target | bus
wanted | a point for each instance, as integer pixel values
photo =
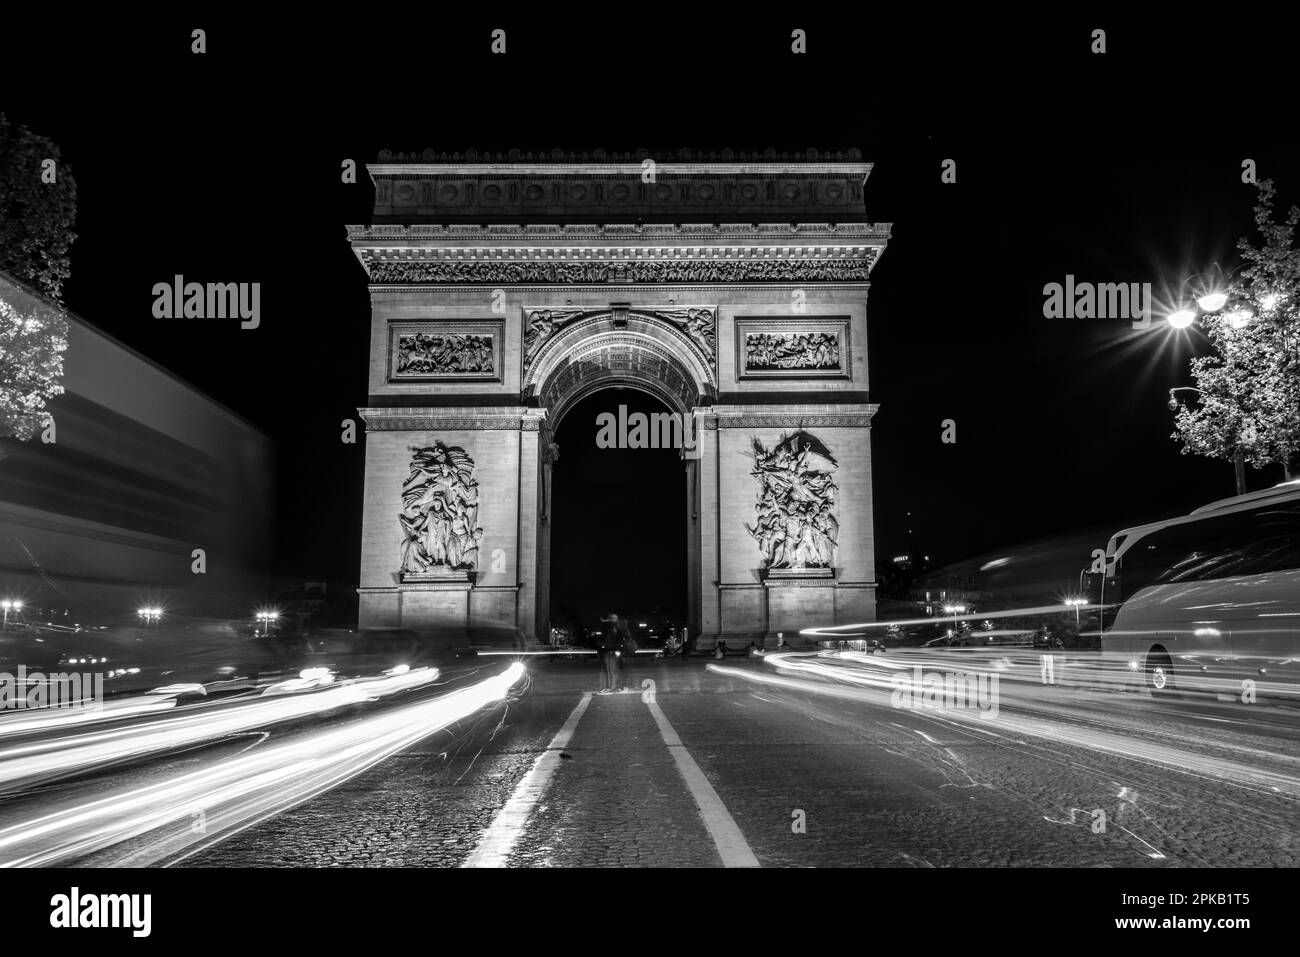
(1209, 601)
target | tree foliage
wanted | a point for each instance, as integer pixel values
(32, 344)
(1250, 383)
(36, 217)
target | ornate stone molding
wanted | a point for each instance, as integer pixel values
(681, 187)
(416, 232)
(698, 323)
(446, 420)
(792, 417)
(562, 273)
(683, 155)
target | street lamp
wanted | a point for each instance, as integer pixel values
(266, 618)
(1213, 301)
(9, 605)
(149, 614)
(1173, 400)
(1076, 602)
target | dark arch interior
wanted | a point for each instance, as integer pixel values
(618, 523)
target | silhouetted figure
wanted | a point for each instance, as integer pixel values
(609, 649)
(626, 654)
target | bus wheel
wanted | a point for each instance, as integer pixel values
(1160, 674)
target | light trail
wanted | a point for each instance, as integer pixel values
(25, 720)
(839, 631)
(236, 793)
(91, 750)
(1177, 755)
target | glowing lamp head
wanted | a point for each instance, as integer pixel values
(1239, 318)
(1182, 318)
(1270, 301)
(1212, 301)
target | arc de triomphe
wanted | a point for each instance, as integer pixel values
(504, 288)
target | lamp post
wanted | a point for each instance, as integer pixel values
(266, 618)
(149, 614)
(10, 605)
(1076, 602)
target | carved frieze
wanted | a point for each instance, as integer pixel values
(445, 351)
(794, 348)
(687, 271)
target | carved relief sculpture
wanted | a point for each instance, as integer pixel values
(423, 353)
(698, 324)
(767, 351)
(542, 324)
(796, 525)
(440, 511)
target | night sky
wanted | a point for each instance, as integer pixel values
(1119, 168)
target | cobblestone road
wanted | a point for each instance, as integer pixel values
(810, 779)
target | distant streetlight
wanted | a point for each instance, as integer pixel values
(149, 614)
(1076, 602)
(9, 605)
(267, 618)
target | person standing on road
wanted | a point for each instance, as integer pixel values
(608, 649)
(627, 652)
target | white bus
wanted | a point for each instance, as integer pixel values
(1208, 601)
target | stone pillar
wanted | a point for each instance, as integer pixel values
(530, 528)
(709, 570)
(549, 452)
(692, 470)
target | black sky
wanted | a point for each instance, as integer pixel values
(1123, 167)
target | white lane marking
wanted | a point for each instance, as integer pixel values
(498, 841)
(731, 844)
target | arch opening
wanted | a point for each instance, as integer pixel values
(619, 529)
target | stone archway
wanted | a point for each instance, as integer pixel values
(733, 289)
(665, 352)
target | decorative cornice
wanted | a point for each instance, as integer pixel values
(532, 158)
(872, 232)
(446, 420)
(792, 417)
(623, 271)
(861, 421)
